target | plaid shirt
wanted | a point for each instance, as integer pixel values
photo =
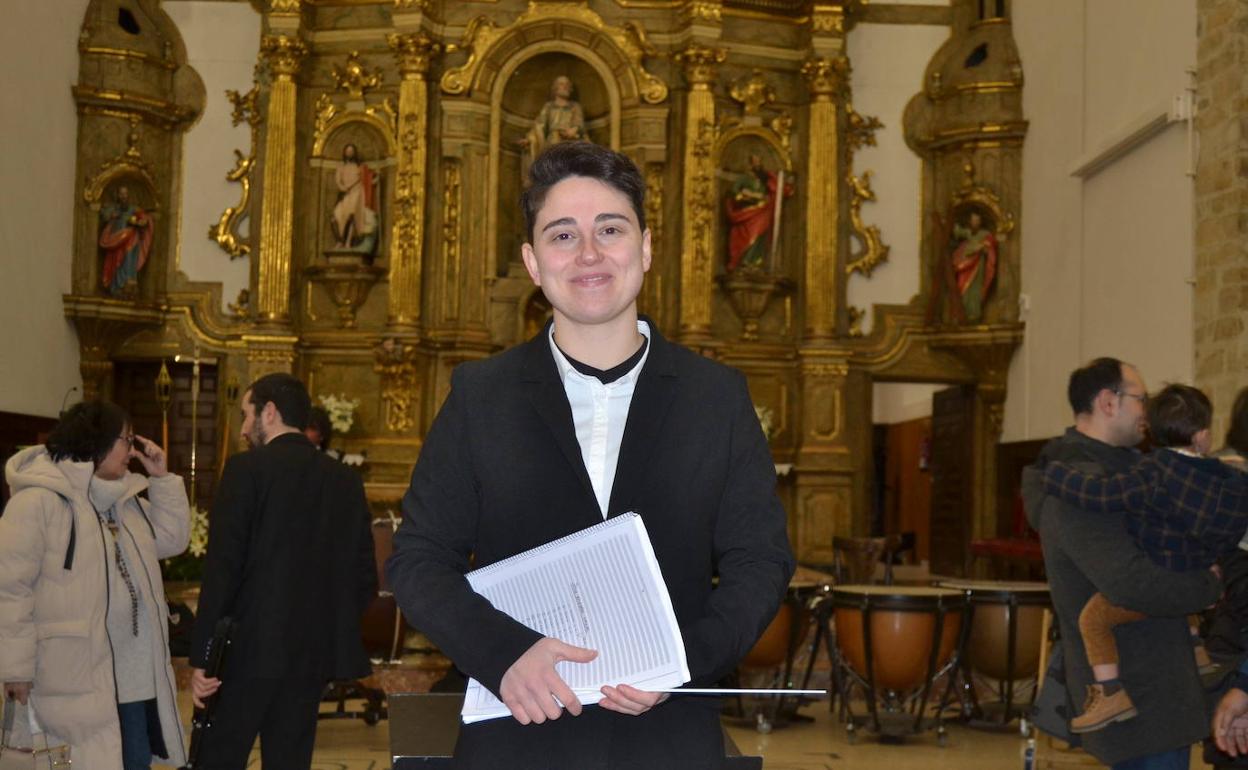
(1189, 510)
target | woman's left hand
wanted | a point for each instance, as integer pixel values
(151, 456)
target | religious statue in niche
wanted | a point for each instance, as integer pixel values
(125, 242)
(753, 206)
(356, 216)
(973, 262)
(561, 119)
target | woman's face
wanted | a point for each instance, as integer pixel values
(114, 464)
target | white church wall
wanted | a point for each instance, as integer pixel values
(222, 40)
(894, 402)
(38, 130)
(1106, 257)
(889, 61)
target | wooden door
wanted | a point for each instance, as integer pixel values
(134, 389)
(952, 473)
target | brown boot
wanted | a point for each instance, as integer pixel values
(1100, 710)
(1203, 663)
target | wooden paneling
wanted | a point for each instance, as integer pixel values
(17, 431)
(134, 389)
(907, 482)
(952, 428)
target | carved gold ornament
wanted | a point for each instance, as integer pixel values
(701, 62)
(482, 35)
(225, 232)
(395, 361)
(873, 251)
(415, 51)
(355, 78)
(753, 93)
(827, 77)
(856, 315)
(129, 163)
(283, 54)
(860, 129)
(702, 11)
(329, 117)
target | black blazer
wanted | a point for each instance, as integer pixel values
(501, 472)
(290, 558)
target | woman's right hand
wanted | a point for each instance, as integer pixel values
(18, 691)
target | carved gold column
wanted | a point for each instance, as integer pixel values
(414, 50)
(822, 286)
(700, 63)
(282, 54)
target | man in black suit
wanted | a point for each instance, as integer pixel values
(290, 559)
(596, 416)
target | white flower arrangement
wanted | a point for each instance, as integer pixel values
(199, 532)
(341, 411)
(766, 418)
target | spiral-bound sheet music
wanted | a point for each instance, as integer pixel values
(598, 588)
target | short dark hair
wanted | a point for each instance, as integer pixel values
(287, 394)
(1177, 414)
(565, 159)
(1237, 434)
(1085, 382)
(319, 418)
(87, 431)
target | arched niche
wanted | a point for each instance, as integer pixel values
(733, 152)
(515, 105)
(611, 58)
(123, 205)
(373, 145)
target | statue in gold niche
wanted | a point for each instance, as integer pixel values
(753, 207)
(355, 211)
(125, 241)
(561, 119)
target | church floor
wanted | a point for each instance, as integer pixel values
(349, 744)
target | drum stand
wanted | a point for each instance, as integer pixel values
(845, 678)
(972, 710)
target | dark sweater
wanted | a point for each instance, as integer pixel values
(1084, 554)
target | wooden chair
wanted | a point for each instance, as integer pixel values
(854, 558)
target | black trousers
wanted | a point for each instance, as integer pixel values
(281, 711)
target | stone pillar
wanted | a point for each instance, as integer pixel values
(282, 54)
(696, 260)
(822, 286)
(415, 50)
(1220, 307)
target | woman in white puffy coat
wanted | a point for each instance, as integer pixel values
(83, 619)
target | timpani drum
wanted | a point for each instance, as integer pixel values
(775, 650)
(892, 640)
(1004, 641)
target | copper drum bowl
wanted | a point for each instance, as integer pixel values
(988, 647)
(772, 648)
(903, 627)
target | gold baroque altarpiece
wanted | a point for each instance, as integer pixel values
(388, 142)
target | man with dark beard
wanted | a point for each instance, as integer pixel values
(290, 559)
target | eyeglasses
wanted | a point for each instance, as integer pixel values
(1141, 397)
(128, 438)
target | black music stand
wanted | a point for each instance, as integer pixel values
(424, 726)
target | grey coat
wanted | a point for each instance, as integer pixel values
(1088, 552)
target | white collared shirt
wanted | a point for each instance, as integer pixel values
(599, 413)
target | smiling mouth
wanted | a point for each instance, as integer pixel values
(590, 281)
